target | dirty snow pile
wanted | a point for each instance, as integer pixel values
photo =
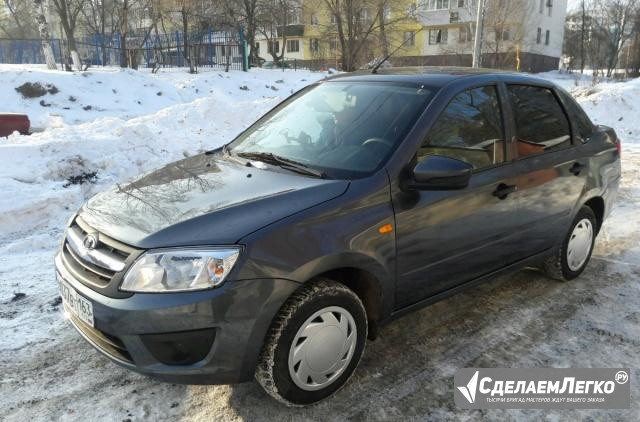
(106, 126)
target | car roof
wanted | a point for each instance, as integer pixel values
(435, 76)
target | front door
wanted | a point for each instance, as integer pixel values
(445, 238)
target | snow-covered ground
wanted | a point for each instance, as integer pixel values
(137, 121)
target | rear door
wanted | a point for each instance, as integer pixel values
(552, 174)
(448, 237)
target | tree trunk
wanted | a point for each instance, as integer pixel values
(185, 38)
(124, 29)
(68, 26)
(103, 44)
(384, 42)
(45, 37)
(582, 37)
(73, 49)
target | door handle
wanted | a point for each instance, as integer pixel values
(576, 168)
(503, 190)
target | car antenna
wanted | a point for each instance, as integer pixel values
(412, 37)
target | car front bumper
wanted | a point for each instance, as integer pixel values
(203, 337)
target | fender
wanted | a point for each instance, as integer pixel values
(385, 281)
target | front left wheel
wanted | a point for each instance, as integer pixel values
(314, 344)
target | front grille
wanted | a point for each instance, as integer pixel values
(100, 266)
(106, 343)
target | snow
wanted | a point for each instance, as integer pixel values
(48, 372)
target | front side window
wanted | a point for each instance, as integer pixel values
(437, 4)
(346, 129)
(438, 36)
(465, 35)
(541, 124)
(469, 129)
(314, 44)
(409, 38)
(502, 34)
(273, 47)
(293, 46)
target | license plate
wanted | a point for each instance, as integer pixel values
(74, 303)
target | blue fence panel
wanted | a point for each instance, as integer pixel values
(207, 48)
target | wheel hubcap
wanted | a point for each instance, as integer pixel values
(322, 348)
(579, 244)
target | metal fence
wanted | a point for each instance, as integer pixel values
(208, 48)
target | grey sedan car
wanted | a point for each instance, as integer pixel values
(355, 200)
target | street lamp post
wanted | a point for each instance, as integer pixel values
(477, 45)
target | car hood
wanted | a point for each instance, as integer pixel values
(203, 200)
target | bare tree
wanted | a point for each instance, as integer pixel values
(384, 12)
(503, 33)
(615, 20)
(68, 12)
(601, 33)
(98, 18)
(583, 35)
(274, 18)
(633, 64)
(18, 22)
(357, 24)
(45, 37)
(244, 13)
(193, 18)
(136, 19)
(353, 28)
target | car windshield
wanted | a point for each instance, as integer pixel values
(344, 129)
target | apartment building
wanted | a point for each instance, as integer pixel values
(311, 33)
(518, 34)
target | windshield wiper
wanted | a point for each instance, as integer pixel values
(271, 158)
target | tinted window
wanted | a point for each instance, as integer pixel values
(346, 129)
(580, 118)
(541, 124)
(469, 129)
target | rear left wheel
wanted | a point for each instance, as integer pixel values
(574, 254)
(314, 344)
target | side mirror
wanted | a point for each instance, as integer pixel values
(441, 173)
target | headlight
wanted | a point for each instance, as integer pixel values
(180, 270)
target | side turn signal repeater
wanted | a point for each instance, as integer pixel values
(387, 228)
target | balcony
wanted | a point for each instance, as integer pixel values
(291, 31)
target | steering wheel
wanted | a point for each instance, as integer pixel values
(372, 141)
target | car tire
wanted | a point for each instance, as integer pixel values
(314, 344)
(574, 254)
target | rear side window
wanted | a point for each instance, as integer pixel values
(541, 124)
(469, 129)
(577, 114)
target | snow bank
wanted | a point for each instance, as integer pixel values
(195, 113)
(124, 93)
